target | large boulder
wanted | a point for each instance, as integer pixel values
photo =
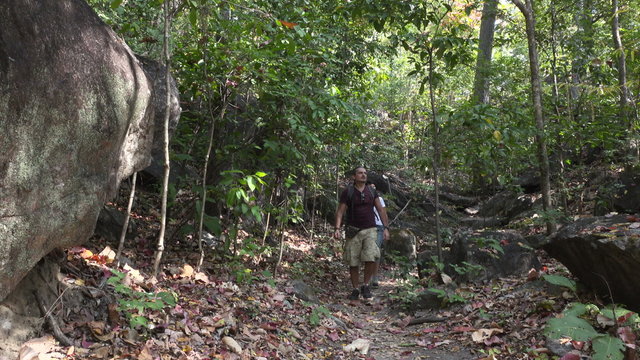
(604, 254)
(402, 242)
(484, 255)
(75, 118)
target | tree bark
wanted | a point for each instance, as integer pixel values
(621, 64)
(125, 226)
(436, 155)
(485, 48)
(536, 95)
(167, 166)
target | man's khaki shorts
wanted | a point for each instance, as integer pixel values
(362, 247)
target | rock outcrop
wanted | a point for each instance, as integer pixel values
(484, 255)
(604, 254)
(76, 117)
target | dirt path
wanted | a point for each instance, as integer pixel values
(390, 336)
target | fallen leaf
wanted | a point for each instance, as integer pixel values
(361, 345)
(187, 271)
(232, 344)
(287, 24)
(481, 335)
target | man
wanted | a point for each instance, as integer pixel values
(361, 232)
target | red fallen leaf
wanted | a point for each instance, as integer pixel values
(287, 24)
(461, 329)
(626, 334)
(633, 218)
(622, 319)
(493, 340)
(570, 356)
(394, 330)
(334, 336)
(504, 242)
(405, 353)
(434, 329)
(271, 326)
(359, 324)
(533, 275)
(578, 345)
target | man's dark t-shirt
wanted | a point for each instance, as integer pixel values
(359, 212)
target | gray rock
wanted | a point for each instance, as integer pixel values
(76, 118)
(304, 292)
(402, 242)
(479, 250)
(604, 254)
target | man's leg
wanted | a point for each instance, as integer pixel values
(354, 273)
(370, 269)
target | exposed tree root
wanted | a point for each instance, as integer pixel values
(53, 323)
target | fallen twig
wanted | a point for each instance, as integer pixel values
(400, 212)
(57, 333)
(425, 319)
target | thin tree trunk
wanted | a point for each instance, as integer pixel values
(536, 95)
(167, 166)
(436, 155)
(125, 226)
(485, 48)
(313, 203)
(283, 221)
(622, 65)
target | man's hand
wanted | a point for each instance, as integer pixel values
(337, 234)
(385, 234)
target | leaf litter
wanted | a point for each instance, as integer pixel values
(219, 315)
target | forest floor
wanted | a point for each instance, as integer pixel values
(236, 308)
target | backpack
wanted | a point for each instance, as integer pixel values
(351, 190)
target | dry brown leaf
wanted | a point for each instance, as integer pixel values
(108, 254)
(232, 344)
(187, 271)
(481, 335)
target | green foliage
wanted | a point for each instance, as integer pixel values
(448, 297)
(136, 304)
(577, 323)
(490, 245)
(560, 281)
(406, 291)
(468, 268)
(317, 313)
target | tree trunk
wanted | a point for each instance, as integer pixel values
(621, 64)
(536, 95)
(485, 48)
(167, 166)
(125, 226)
(436, 155)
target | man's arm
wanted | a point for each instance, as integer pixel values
(339, 213)
(383, 216)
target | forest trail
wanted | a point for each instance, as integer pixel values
(265, 315)
(390, 334)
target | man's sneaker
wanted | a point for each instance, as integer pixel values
(366, 292)
(374, 284)
(355, 294)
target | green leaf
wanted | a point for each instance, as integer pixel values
(570, 326)
(575, 309)
(561, 281)
(261, 174)
(213, 225)
(137, 320)
(251, 183)
(606, 347)
(116, 3)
